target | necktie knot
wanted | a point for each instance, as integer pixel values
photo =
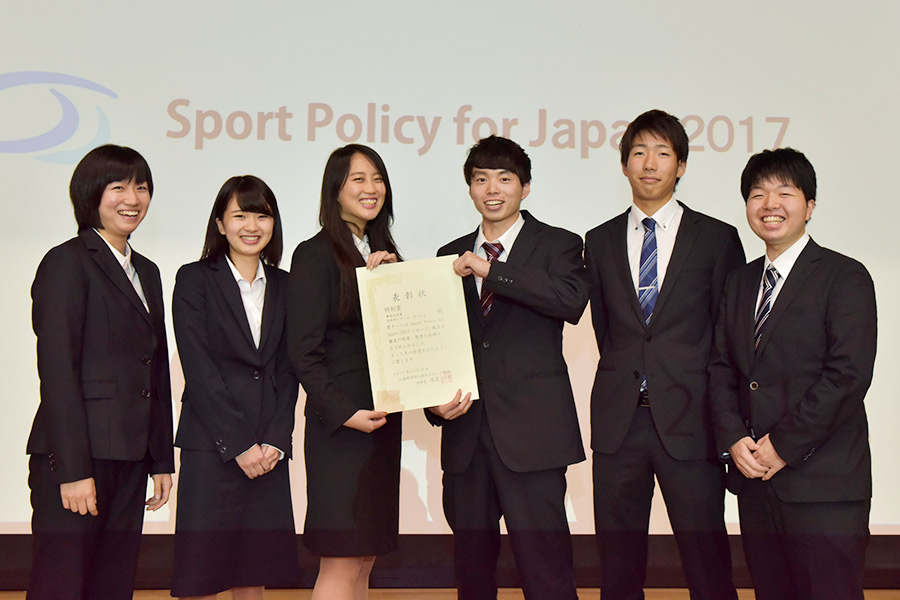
(649, 225)
(493, 251)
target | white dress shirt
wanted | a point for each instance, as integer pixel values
(506, 240)
(667, 218)
(130, 272)
(362, 244)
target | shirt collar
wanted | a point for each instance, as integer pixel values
(124, 259)
(260, 272)
(785, 261)
(663, 216)
(362, 245)
(507, 239)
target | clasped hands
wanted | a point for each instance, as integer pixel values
(258, 460)
(756, 459)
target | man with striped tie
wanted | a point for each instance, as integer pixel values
(656, 273)
(793, 358)
(506, 454)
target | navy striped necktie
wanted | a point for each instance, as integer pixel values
(765, 304)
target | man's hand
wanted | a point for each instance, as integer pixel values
(79, 496)
(457, 407)
(766, 455)
(471, 264)
(366, 421)
(382, 256)
(742, 456)
(253, 462)
(162, 486)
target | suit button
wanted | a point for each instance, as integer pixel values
(223, 450)
(255, 374)
(145, 394)
(218, 442)
(485, 344)
(636, 375)
(145, 360)
(509, 281)
(648, 337)
(754, 386)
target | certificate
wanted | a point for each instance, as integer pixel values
(417, 333)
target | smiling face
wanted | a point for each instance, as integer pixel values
(123, 206)
(247, 233)
(777, 212)
(652, 169)
(497, 194)
(362, 195)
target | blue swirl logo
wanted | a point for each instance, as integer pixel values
(68, 123)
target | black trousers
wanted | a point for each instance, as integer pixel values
(803, 550)
(82, 557)
(533, 506)
(694, 492)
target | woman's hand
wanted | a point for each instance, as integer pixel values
(457, 407)
(382, 256)
(253, 462)
(79, 496)
(366, 421)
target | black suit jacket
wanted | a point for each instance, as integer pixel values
(102, 361)
(526, 395)
(327, 349)
(806, 382)
(235, 394)
(674, 350)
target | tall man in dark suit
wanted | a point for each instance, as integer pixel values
(506, 454)
(656, 273)
(793, 358)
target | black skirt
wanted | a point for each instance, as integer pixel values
(352, 490)
(231, 531)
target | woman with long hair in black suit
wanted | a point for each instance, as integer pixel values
(352, 452)
(235, 526)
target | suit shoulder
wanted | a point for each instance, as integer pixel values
(714, 225)
(604, 229)
(455, 246)
(843, 262)
(318, 245)
(276, 273)
(191, 270)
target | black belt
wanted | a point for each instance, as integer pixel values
(643, 398)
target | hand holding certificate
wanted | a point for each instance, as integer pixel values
(417, 334)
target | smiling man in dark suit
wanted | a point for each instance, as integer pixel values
(506, 454)
(793, 359)
(656, 275)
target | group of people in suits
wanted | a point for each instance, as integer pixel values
(712, 373)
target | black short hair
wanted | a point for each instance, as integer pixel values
(660, 124)
(100, 167)
(252, 195)
(495, 152)
(785, 165)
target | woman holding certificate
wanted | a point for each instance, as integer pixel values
(352, 452)
(235, 524)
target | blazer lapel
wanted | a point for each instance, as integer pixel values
(225, 280)
(804, 267)
(270, 308)
(522, 250)
(619, 249)
(105, 259)
(688, 230)
(747, 292)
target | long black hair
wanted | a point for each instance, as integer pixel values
(252, 195)
(378, 229)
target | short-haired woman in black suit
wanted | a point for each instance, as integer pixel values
(105, 418)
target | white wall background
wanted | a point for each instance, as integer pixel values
(736, 71)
